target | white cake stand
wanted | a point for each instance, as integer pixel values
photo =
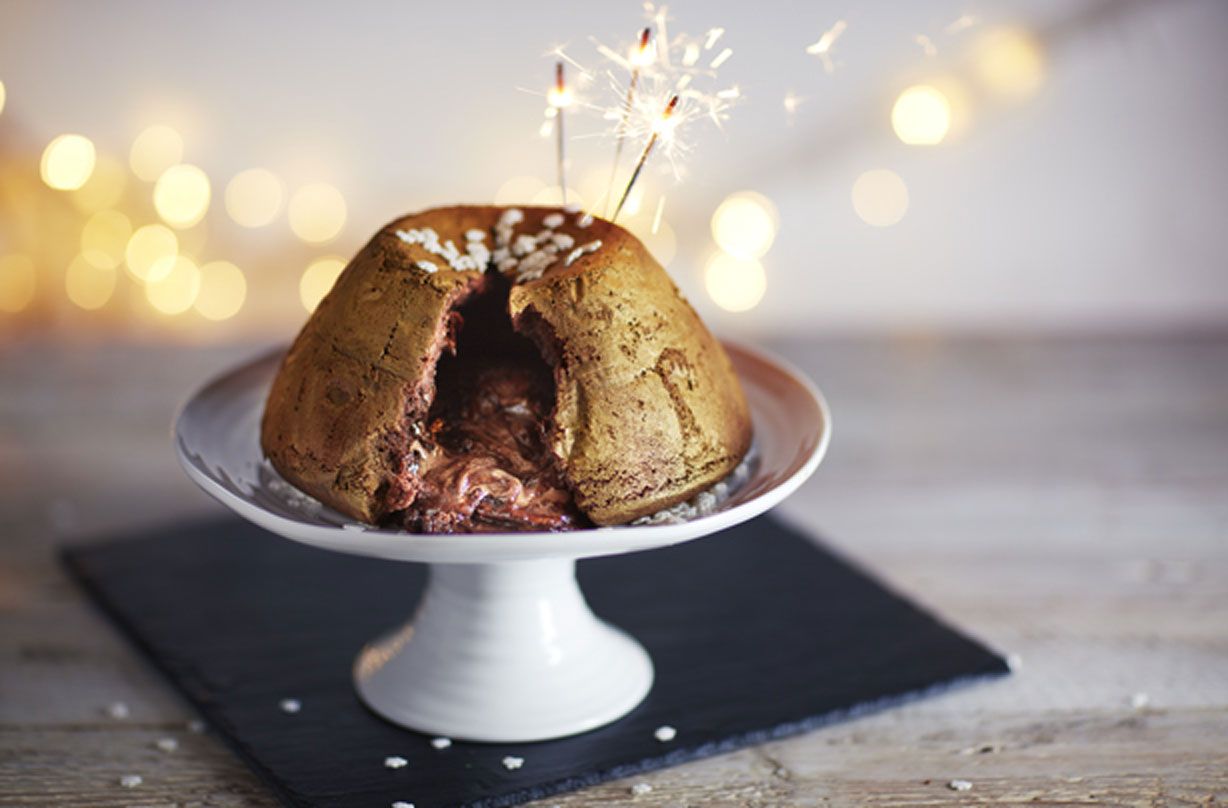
(503, 646)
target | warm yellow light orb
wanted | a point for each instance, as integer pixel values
(155, 150)
(104, 188)
(318, 280)
(2, 96)
(151, 252)
(745, 224)
(18, 280)
(880, 197)
(181, 195)
(222, 290)
(518, 191)
(68, 162)
(104, 239)
(317, 213)
(663, 244)
(254, 197)
(551, 195)
(921, 116)
(176, 291)
(735, 284)
(1009, 61)
(89, 286)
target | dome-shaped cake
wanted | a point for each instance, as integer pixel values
(480, 368)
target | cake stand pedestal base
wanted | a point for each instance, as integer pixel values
(504, 652)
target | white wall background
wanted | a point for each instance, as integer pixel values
(1099, 202)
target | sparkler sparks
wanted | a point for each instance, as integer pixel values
(960, 23)
(927, 44)
(791, 102)
(822, 48)
(641, 57)
(664, 129)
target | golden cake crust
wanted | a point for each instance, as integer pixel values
(648, 408)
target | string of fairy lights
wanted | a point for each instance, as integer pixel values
(159, 250)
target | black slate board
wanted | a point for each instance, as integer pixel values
(756, 633)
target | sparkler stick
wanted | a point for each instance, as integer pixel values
(641, 57)
(652, 141)
(560, 98)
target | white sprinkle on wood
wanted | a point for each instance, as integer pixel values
(118, 710)
(131, 780)
(960, 785)
(166, 744)
(1140, 700)
(640, 789)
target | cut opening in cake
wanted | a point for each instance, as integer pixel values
(480, 458)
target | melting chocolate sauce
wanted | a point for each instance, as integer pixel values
(482, 456)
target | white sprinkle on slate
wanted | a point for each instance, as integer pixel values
(130, 780)
(512, 763)
(1140, 700)
(399, 804)
(640, 789)
(441, 743)
(960, 785)
(291, 706)
(118, 710)
(196, 725)
(665, 733)
(1014, 662)
(167, 744)
(395, 762)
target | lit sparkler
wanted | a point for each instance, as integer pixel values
(664, 128)
(641, 57)
(560, 98)
(822, 48)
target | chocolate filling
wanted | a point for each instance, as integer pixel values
(481, 455)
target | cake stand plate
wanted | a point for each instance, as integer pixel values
(502, 646)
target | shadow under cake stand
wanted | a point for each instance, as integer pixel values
(503, 646)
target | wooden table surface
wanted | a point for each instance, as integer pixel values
(1065, 500)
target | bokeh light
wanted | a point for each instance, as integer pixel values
(222, 290)
(254, 197)
(921, 116)
(104, 188)
(104, 239)
(317, 213)
(156, 149)
(1009, 61)
(663, 244)
(318, 279)
(181, 195)
(89, 286)
(551, 195)
(880, 197)
(18, 281)
(745, 224)
(68, 162)
(176, 290)
(151, 252)
(518, 191)
(734, 284)
(2, 96)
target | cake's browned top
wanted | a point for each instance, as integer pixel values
(648, 409)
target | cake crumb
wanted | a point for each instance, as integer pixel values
(131, 780)
(512, 763)
(960, 785)
(640, 789)
(1140, 700)
(395, 762)
(166, 744)
(441, 743)
(118, 710)
(665, 733)
(290, 706)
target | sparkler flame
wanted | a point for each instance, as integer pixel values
(822, 48)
